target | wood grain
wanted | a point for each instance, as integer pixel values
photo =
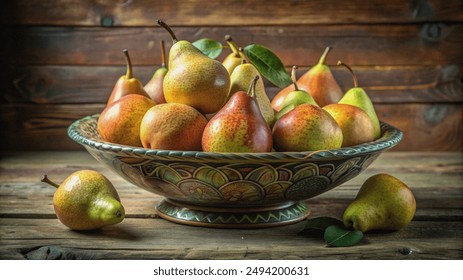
(22, 194)
(407, 56)
(373, 45)
(29, 229)
(195, 12)
(93, 84)
(159, 239)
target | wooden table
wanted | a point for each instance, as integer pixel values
(30, 230)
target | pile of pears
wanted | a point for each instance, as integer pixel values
(196, 103)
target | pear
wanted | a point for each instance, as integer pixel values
(193, 78)
(120, 121)
(306, 128)
(358, 97)
(357, 127)
(239, 126)
(318, 81)
(241, 78)
(172, 126)
(127, 84)
(154, 85)
(382, 203)
(235, 58)
(294, 98)
(86, 200)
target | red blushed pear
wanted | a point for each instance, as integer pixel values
(357, 127)
(318, 81)
(127, 84)
(120, 121)
(154, 86)
(239, 126)
(306, 128)
(172, 126)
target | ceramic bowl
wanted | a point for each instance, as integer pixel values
(232, 189)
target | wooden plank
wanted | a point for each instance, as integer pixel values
(93, 84)
(372, 45)
(433, 177)
(159, 239)
(41, 127)
(29, 230)
(194, 12)
(35, 200)
(426, 127)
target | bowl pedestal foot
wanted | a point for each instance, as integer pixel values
(233, 217)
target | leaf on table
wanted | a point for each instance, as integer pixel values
(337, 236)
(209, 47)
(316, 226)
(268, 64)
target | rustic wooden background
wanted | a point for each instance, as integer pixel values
(60, 59)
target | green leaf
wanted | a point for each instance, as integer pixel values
(318, 225)
(209, 47)
(268, 64)
(339, 237)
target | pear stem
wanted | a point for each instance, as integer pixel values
(232, 45)
(351, 71)
(48, 181)
(252, 87)
(129, 64)
(167, 27)
(163, 54)
(243, 61)
(293, 78)
(325, 53)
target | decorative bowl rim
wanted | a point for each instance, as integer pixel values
(390, 137)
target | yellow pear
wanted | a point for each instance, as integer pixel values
(193, 78)
(241, 78)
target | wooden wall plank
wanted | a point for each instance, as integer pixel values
(428, 127)
(92, 84)
(407, 55)
(296, 45)
(228, 12)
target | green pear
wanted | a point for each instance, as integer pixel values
(382, 203)
(234, 59)
(154, 85)
(241, 78)
(86, 200)
(358, 97)
(193, 78)
(239, 126)
(294, 98)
